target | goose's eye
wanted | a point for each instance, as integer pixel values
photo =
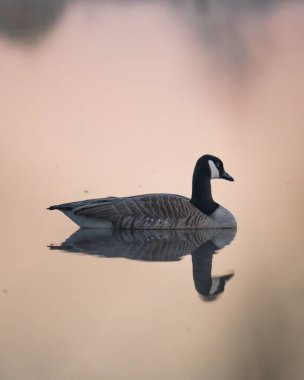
(218, 164)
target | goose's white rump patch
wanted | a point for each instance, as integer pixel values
(214, 171)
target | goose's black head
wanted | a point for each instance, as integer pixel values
(213, 167)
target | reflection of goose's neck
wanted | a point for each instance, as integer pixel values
(201, 192)
(202, 266)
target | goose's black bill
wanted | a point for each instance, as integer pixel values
(227, 177)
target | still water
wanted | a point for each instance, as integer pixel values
(117, 98)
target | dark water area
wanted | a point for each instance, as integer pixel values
(101, 98)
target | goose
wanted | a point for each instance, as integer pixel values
(158, 211)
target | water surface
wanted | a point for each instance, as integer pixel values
(118, 98)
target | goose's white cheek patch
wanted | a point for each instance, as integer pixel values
(214, 286)
(214, 171)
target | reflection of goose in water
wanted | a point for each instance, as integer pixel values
(159, 245)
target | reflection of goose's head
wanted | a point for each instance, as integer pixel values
(217, 287)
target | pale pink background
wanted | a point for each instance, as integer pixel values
(122, 99)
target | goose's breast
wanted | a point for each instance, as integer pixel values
(223, 218)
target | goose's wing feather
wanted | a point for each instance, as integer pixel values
(153, 205)
(145, 211)
(72, 206)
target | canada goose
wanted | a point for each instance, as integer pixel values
(158, 211)
(161, 245)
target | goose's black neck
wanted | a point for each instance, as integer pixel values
(201, 192)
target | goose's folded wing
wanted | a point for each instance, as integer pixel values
(162, 206)
(72, 206)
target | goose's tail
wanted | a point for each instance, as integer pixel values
(60, 207)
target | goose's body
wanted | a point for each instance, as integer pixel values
(151, 211)
(157, 211)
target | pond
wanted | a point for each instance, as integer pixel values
(116, 98)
